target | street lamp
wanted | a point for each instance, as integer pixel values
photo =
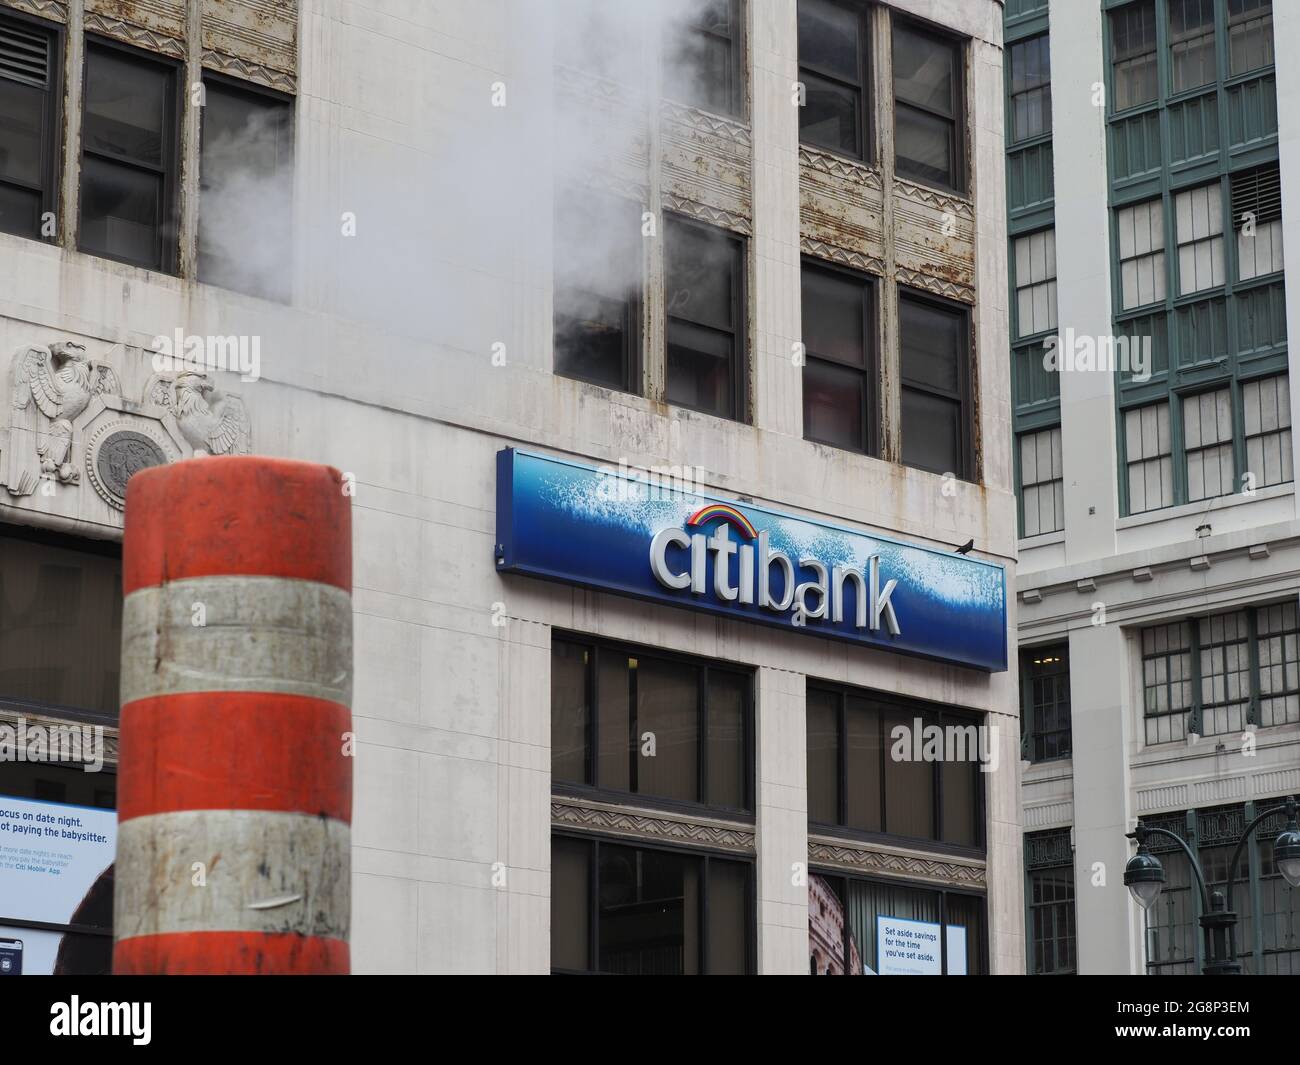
(1144, 876)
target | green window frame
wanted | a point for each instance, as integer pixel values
(1221, 673)
(1050, 928)
(1045, 724)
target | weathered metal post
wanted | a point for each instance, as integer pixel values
(235, 775)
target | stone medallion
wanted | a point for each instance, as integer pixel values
(115, 453)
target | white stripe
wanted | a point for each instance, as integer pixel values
(265, 634)
(232, 871)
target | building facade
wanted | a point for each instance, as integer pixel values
(1150, 250)
(749, 255)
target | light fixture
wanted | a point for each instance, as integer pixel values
(1144, 877)
(1286, 848)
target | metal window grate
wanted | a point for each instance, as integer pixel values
(24, 54)
(1256, 194)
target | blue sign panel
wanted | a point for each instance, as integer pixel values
(619, 532)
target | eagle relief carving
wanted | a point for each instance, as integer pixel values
(52, 387)
(212, 422)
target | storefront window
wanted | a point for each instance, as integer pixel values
(871, 928)
(664, 727)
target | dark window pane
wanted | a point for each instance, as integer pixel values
(649, 912)
(570, 903)
(833, 316)
(925, 70)
(932, 431)
(931, 340)
(60, 620)
(830, 116)
(701, 58)
(667, 701)
(862, 765)
(909, 784)
(924, 146)
(829, 39)
(833, 405)
(569, 712)
(127, 109)
(613, 719)
(1133, 48)
(245, 203)
(728, 928)
(120, 211)
(22, 131)
(823, 757)
(960, 813)
(727, 697)
(700, 266)
(699, 369)
(1191, 45)
(591, 337)
(20, 211)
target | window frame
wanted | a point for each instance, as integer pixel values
(171, 151)
(966, 382)
(1029, 732)
(737, 83)
(871, 370)
(591, 787)
(703, 854)
(740, 245)
(1043, 40)
(959, 138)
(864, 88)
(1047, 864)
(52, 139)
(934, 713)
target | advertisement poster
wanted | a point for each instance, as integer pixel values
(53, 857)
(908, 948)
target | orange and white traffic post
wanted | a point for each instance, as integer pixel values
(235, 769)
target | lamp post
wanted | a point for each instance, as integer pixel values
(1144, 876)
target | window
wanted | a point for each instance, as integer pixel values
(1250, 35)
(30, 90)
(129, 157)
(1042, 483)
(705, 301)
(1049, 899)
(1031, 88)
(840, 376)
(937, 415)
(1257, 220)
(1266, 421)
(869, 769)
(1141, 254)
(928, 107)
(1035, 283)
(705, 65)
(246, 173)
(1199, 214)
(598, 290)
(638, 911)
(1045, 702)
(1133, 54)
(663, 727)
(1149, 451)
(1207, 444)
(849, 921)
(833, 71)
(1221, 673)
(1191, 43)
(61, 619)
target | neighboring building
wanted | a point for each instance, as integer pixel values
(1153, 180)
(794, 318)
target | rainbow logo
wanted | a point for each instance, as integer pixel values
(728, 514)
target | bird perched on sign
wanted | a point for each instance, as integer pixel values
(967, 547)
(58, 382)
(212, 422)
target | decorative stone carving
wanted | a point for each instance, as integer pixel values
(861, 857)
(52, 388)
(633, 824)
(68, 415)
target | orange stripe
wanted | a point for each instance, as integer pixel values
(230, 954)
(234, 751)
(246, 515)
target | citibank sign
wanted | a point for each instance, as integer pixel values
(601, 529)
